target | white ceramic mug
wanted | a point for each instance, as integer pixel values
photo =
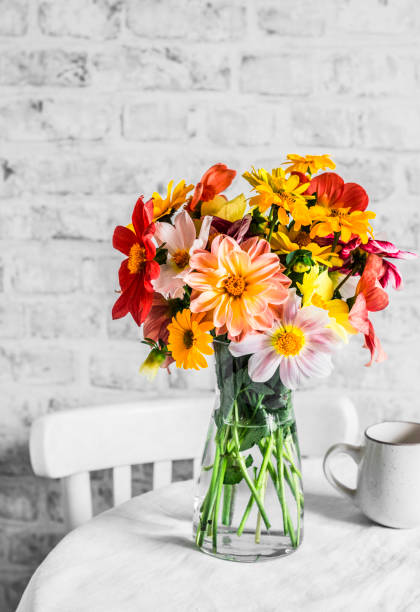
(388, 480)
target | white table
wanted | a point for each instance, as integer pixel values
(139, 557)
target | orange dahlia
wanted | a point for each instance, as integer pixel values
(239, 285)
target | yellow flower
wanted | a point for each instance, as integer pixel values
(343, 221)
(189, 340)
(285, 193)
(172, 202)
(256, 177)
(286, 241)
(309, 164)
(220, 207)
(314, 282)
(317, 290)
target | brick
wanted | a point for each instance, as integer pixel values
(412, 171)
(14, 17)
(122, 329)
(18, 499)
(79, 217)
(158, 122)
(44, 365)
(69, 173)
(248, 126)
(396, 127)
(54, 67)
(47, 119)
(31, 547)
(400, 322)
(118, 368)
(182, 470)
(98, 19)
(376, 176)
(214, 21)
(283, 74)
(5, 366)
(14, 585)
(72, 318)
(12, 323)
(142, 478)
(386, 73)
(100, 275)
(392, 17)
(48, 270)
(14, 453)
(323, 125)
(278, 19)
(102, 489)
(162, 68)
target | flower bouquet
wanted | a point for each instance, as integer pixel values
(271, 284)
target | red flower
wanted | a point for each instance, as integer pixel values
(214, 181)
(333, 192)
(137, 272)
(370, 297)
(383, 248)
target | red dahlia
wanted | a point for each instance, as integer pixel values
(139, 269)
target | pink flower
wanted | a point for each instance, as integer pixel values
(382, 248)
(181, 241)
(299, 345)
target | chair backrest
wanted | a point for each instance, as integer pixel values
(72, 443)
(323, 419)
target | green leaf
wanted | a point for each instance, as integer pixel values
(233, 474)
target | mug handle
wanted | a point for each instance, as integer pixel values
(355, 453)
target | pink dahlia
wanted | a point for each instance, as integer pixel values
(181, 241)
(299, 345)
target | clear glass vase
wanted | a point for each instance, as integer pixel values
(249, 498)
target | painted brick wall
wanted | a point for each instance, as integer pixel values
(101, 100)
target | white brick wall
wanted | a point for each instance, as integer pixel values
(104, 99)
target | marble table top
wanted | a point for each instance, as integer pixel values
(139, 557)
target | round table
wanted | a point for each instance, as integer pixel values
(139, 557)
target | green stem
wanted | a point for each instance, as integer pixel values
(209, 500)
(227, 504)
(258, 526)
(272, 222)
(258, 484)
(345, 279)
(217, 501)
(335, 241)
(244, 471)
(295, 478)
(280, 477)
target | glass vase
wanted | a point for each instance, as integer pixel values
(249, 498)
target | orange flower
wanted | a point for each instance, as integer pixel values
(238, 285)
(214, 181)
(340, 208)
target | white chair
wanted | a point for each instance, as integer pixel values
(72, 443)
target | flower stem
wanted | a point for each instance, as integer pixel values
(244, 471)
(217, 502)
(209, 501)
(227, 504)
(258, 484)
(258, 526)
